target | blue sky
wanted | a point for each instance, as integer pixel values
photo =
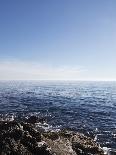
(58, 39)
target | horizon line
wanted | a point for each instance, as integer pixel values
(58, 80)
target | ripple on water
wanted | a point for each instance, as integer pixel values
(81, 106)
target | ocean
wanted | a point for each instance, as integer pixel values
(86, 107)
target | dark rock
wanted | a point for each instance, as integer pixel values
(66, 134)
(42, 149)
(32, 131)
(51, 135)
(34, 147)
(24, 139)
(16, 134)
(20, 138)
(42, 119)
(32, 119)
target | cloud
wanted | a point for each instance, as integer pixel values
(19, 70)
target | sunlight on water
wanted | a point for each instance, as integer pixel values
(88, 107)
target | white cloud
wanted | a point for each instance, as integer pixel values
(18, 70)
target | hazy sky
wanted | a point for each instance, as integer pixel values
(58, 39)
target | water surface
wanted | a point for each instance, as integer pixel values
(88, 107)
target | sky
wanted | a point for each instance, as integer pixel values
(57, 40)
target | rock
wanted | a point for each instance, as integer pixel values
(43, 149)
(66, 134)
(32, 131)
(32, 119)
(51, 135)
(60, 146)
(34, 146)
(84, 145)
(42, 120)
(18, 138)
(5, 125)
(16, 134)
(29, 142)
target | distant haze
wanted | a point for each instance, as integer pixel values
(58, 40)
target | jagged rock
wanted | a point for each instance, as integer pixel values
(84, 145)
(19, 138)
(60, 146)
(66, 134)
(32, 131)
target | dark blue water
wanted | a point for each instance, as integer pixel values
(88, 107)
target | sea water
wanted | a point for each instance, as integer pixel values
(87, 107)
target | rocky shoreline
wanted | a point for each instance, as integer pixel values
(29, 137)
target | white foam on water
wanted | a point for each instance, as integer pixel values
(109, 151)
